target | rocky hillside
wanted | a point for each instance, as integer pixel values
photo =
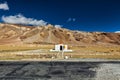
(12, 33)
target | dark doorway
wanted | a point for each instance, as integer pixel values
(61, 48)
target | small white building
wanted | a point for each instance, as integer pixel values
(60, 47)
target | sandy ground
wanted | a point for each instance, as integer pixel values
(59, 70)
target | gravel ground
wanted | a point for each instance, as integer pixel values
(109, 71)
(59, 70)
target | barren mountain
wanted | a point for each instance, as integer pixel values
(16, 34)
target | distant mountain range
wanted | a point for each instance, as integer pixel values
(21, 34)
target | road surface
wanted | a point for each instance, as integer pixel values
(59, 70)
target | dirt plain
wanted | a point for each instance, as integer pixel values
(20, 52)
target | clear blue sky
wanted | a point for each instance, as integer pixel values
(83, 15)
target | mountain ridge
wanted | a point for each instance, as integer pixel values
(21, 34)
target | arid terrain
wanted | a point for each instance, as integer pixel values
(38, 52)
(20, 42)
(25, 54)
(12, 33)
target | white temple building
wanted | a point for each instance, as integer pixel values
(61, 47)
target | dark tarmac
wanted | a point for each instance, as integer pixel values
(59, 70)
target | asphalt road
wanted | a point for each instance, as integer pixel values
(59, 70)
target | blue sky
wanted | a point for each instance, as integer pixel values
(83, 15)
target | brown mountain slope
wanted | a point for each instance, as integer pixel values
(11, 33)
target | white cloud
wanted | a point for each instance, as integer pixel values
(58, 26)
(20, 19)
(117, 31)
(4, 6)
(71, 20)
(74, 19)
